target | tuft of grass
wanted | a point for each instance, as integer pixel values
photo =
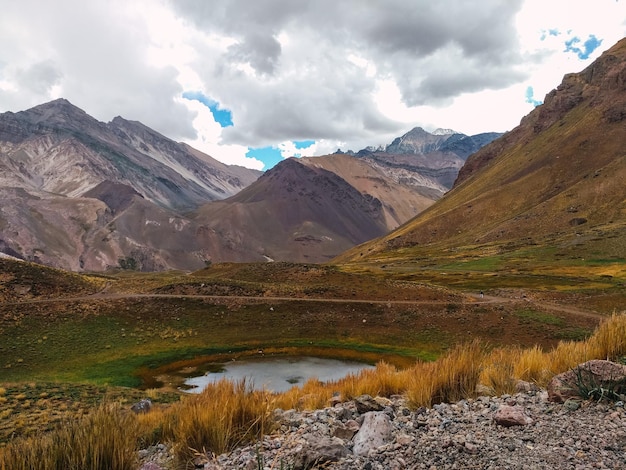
(609, 340)
(451, 378)
(103, 440)
(531, 365)
(225, 415)
(384, 380)
(498, 372)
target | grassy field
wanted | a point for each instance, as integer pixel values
(67, 349)
(115, 329)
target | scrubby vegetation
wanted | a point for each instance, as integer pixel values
(227, 414)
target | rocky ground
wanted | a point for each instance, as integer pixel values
(521, 431)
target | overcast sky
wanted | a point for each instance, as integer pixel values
(251, 81)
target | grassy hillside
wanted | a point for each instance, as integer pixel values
(547, 196)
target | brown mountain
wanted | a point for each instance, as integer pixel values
(294, 212)
(81, 194)
(86, 195)
(402, 192)
(313, 208)
(553, 185)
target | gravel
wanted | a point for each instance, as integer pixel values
(463, 435)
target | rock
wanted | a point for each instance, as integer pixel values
(448, 435)
(150, 466)
(142, 406)
(511, 416)
(382, 401)
(588, 380)
(365, 404)
(346, 430)
(318, 451)
(571, 404)
(375, 432)
(404, 439)
(523, 386)
(484, 390)
(335, 399)
(470, 448)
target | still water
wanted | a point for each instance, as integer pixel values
(278, 374)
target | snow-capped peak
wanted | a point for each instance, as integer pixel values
(441, 131)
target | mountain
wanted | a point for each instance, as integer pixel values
(294, 212)
(313, 208)
(553, 186)
(437, 156)
(58, 148)
(402, 191)
(87, 195)
(84, 195)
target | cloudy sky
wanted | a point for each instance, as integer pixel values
(252, 81)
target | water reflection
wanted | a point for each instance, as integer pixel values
(278, 374)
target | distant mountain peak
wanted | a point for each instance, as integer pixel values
(440, 131)
(60, 104)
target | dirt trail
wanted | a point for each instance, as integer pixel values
(470, 299)
(543, 305)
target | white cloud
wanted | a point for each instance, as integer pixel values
(346, 74)
(208, 139)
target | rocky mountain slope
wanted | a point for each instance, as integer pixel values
(313, 208)
(85, 195)
(58, 148)
(438, 156)
(555, 182)
(295, 212)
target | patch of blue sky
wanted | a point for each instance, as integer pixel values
(588, 47)
(270, 156)
(530, 97)
(549, 32)
(273, 154)
(222, 116)
(302, 144)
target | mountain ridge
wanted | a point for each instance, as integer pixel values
(555, 180)
(87, 195)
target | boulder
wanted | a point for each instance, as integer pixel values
(592, 379)
(376, 431)
(346, 430)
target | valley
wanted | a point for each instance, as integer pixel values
(517, 273)
(131, 323)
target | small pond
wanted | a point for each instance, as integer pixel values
(278, 374)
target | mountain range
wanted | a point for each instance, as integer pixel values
(81, 194)
(552, 189)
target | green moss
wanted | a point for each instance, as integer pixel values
(529, 315)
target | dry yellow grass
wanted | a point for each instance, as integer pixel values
(227, 414)
(104, 440)
(223, 416)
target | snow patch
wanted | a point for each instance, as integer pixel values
(441, 131)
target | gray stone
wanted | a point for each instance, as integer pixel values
(365, 404)
(318, 451)
(376, 431)
(142, 406)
